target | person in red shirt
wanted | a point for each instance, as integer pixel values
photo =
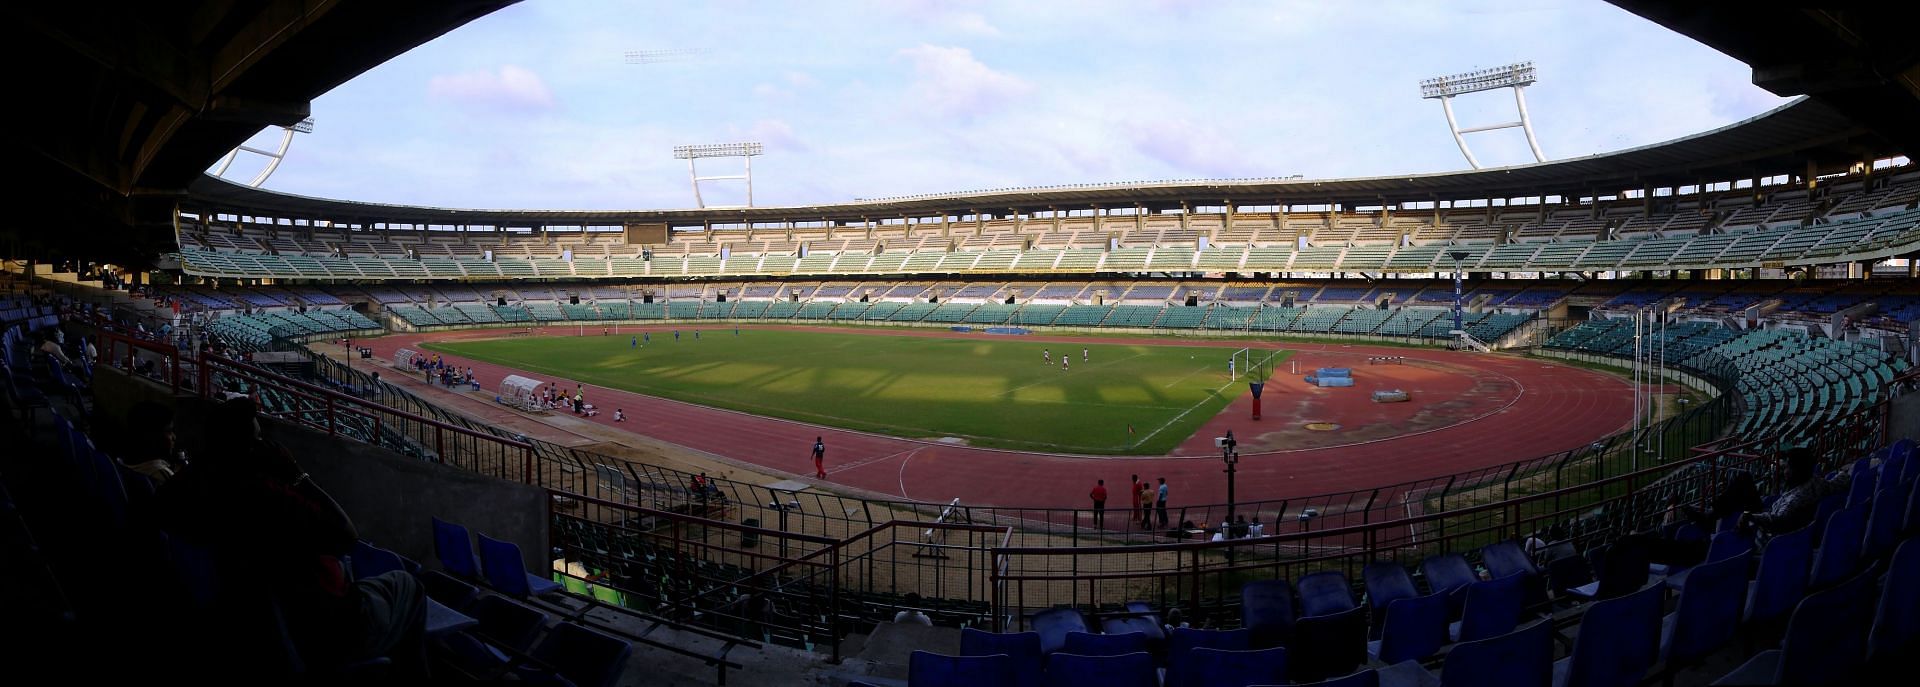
(1099, 496)
(1135, 491)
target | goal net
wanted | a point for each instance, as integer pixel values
(1251, 363)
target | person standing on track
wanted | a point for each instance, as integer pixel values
(819, 458)
(1134, 491)
(1160, 503)
(1146, 506)
(1099, 496)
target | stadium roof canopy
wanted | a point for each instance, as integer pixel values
(1862, 59)
(1796, 138)
(120, 106)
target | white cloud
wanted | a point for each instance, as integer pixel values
(952, 82)
(512, 88)
(1193, 148)
(777, 135)
(971, 23)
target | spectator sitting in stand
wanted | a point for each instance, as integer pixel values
(1799, 502)
(911, 614)
(149, 448)
(247, 499)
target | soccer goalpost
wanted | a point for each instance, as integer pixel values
(1252, 363)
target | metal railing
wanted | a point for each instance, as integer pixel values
(769, 585)
(135, 355)
(602, 476)
(803, 568)
(1205, 577)
(341, 414)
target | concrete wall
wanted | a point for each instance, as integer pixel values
(390, 497)
(1905, 423)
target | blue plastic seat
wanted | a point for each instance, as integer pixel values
(1186, 639)
(370, 560)
(1324, 593)
(1708, 613)
(500, 622)
(508, 622)
(1839, 553)
(1883, 524)
(1619, 642)
(1782, 581)
(1725, 544)
(1328, 645)
(1414, 629)
(928, 669)
(1366, 677)
(1506, 558)
(1910, 525)
(1860, 486)
(507, 572)
(1896, 622)
(1449, 574)
(1139, 618)
(584, 656)
(1830, 504)
(449, 590)
(1623, 567)
(1386, 582)
(453, 546)
(1072, 670)
(1053, 625)
(1266, 608)
(1521, 658)
(1089, 644)
(1493, 608)
(1023, 648)
(1825, 643)
(1226, 668)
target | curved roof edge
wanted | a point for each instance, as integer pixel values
(1794, 138)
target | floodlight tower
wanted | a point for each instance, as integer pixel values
(304, 126)
(1517, 76)
(1458, 305)
(745, 151)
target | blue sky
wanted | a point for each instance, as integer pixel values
(536, 107)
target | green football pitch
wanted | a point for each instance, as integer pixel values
(991, 392)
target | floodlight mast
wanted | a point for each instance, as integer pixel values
(744, 151)
(304, 126)
(1517, 76)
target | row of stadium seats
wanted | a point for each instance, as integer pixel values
(1892, 302)
(256, 331)
(1838, 241)
(1409, 321)
(1788, 380)
(997, 239)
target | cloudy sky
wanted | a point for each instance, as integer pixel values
(536, 106)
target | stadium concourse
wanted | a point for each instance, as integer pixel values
(1466, 400)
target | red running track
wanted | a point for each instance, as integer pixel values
(1524, 408)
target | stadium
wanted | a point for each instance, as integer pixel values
(1641, 415)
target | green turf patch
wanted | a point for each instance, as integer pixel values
(990, 391)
